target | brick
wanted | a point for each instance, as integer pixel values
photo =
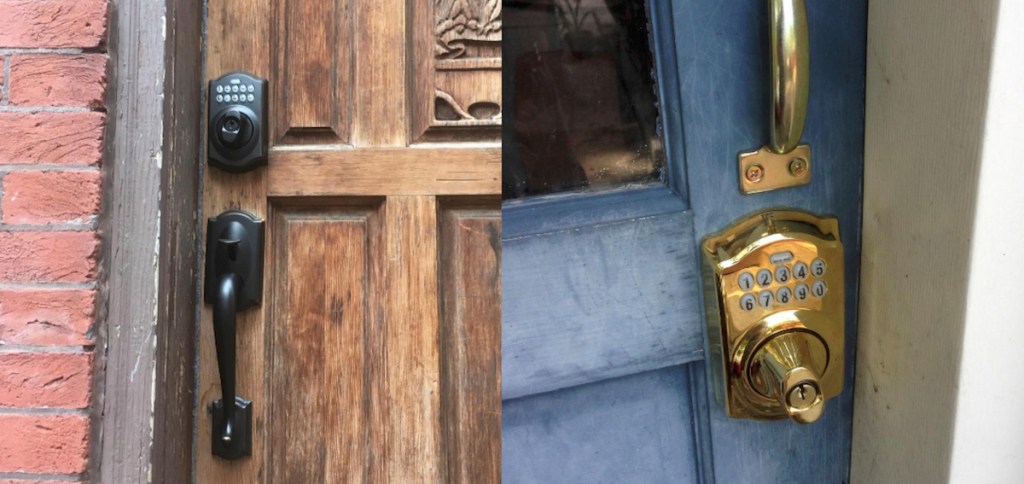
(41, 197)
(48, 256)
(54, 380)
(58, 80)
(46, 317)
(46, 444)
(53, 23)
(51, 138)
(37, 482)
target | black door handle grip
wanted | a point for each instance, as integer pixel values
(234, 282)
(225, 310)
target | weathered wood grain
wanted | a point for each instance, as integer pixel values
(125, 362)
(173, 422)
(238, 38)
(320, 310)
(407, 429)
(389, 171)
(380, 109)
(314, 65)
(470, 265)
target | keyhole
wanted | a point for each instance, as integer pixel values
(803, 396)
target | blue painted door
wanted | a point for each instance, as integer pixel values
(603, 361)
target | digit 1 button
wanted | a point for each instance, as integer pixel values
(764, 277)
(819, 288)
(784, 295)
(818, 267)
(801, 292)
(782, 274)
(800, 270)
(746, 281)
(765, 298)
(747, 302)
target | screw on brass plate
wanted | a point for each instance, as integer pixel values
(798, 167)
(802, 396)
(755, 173)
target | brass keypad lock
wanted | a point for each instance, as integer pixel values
(775, 300)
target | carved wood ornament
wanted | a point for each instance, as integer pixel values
(467, 60)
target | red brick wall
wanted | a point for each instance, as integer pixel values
(52, 117)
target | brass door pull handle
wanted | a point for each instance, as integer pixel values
(791, 73)
(784, 162)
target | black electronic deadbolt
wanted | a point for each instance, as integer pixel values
(238, 122)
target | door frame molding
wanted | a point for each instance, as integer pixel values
(142, 430)
(936, 334)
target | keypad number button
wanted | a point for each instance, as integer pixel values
(802, 292)
(747, 302)
(800, 270)
(764, 277)
(784, 295)
(746, 281)
(819, 289)
(818, 267)
(765, 299)
(782, 274)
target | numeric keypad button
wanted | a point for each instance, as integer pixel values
(782, 274)
(746, 281)
(764, 277)
(802, 292)
(747, 302)
(819, 289)
(784, 295)
(765, 299)
(800, 271)
(818, 267)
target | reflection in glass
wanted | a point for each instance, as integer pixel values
(580, 96)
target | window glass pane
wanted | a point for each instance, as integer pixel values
(580, 96)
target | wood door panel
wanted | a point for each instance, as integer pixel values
(314, 70)
(457, 70)
(343, 360)
(393, 171)
(321, 298)
(470, 332)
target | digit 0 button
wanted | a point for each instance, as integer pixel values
(819, 289)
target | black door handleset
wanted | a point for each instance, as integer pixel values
(236, 142)
(234, 282)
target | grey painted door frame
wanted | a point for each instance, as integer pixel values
(144, 377)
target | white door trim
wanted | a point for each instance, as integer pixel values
(938, 392)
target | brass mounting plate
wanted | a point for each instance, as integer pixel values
(776, 171)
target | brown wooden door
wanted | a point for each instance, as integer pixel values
(375, 353)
